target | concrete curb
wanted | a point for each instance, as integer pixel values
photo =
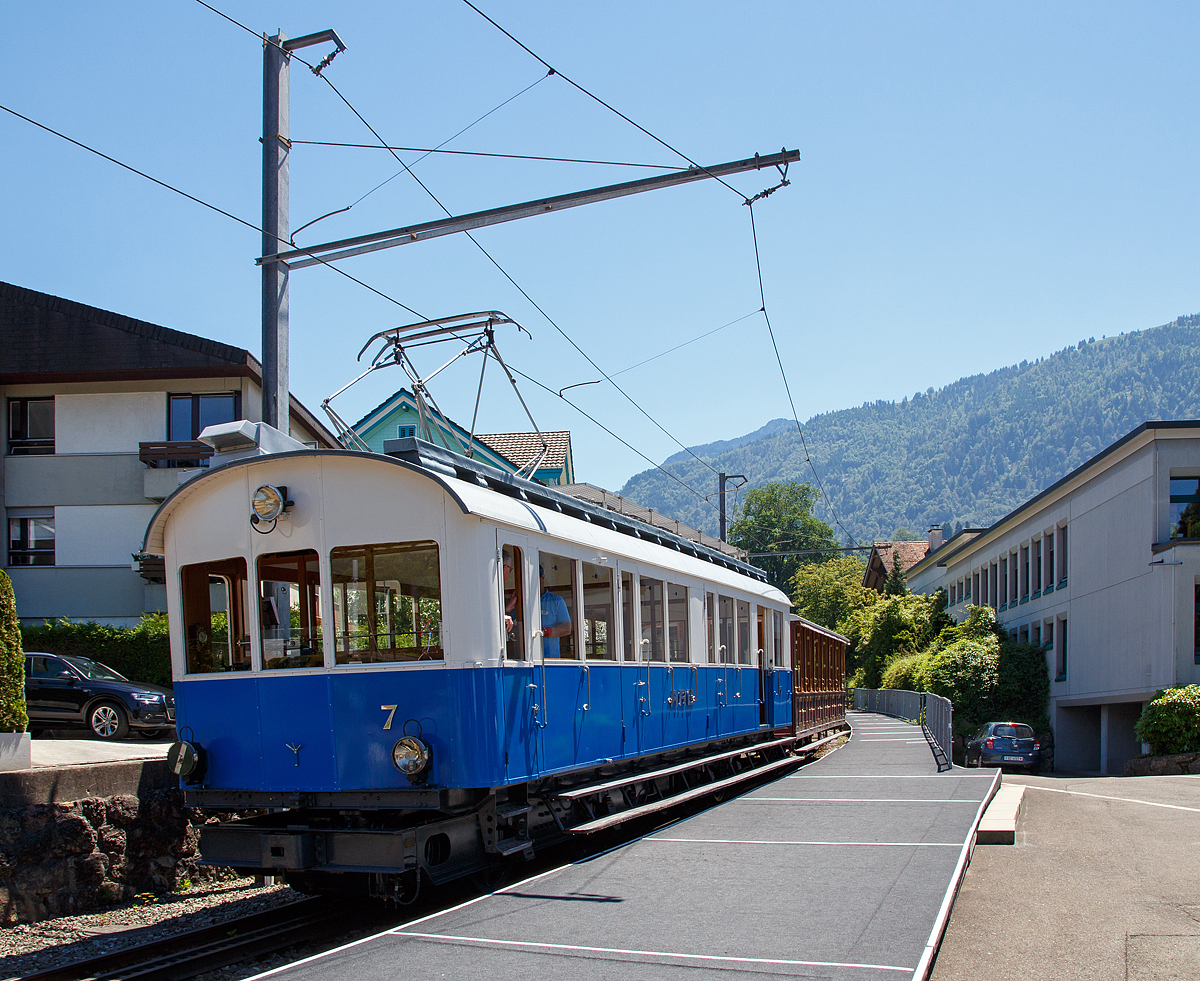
(999, 823)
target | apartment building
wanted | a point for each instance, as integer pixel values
(1102, 570)
(100, 414)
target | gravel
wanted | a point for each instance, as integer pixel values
(30, 947)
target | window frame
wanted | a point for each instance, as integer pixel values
(309, 606)
(376, 656)
(237, 617)
(26, 516)
(25, 445)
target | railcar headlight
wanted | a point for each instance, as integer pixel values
(411, 755)
(268, 502)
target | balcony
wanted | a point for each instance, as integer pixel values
(166, 464)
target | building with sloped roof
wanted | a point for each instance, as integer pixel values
(100, 414)
(397, 416)
(883, 554)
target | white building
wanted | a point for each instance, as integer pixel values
(1103, 570)
(100, 414)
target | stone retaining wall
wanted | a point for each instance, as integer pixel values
(60, 858)
(1161, 766)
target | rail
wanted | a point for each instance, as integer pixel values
(933, 713)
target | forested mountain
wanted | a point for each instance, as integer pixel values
(969, 452)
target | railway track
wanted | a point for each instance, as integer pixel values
(196, 952)
(331, 920)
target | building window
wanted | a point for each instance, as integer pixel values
(1036, 639)
(1185, 507)
(1004, 580)
(1196, 627)
(30, 537)
(1048, 635)
(30, 426)
(1025, 572)
(1023, 634)
(994, 583)
(1037, 566)
(406, 432)
(1050, 560)
(1060, 660)
(1062, 555)
(189, 415)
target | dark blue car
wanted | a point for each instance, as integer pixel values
(1004, 745)
(71, 692)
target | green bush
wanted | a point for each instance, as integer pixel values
(910, 672)
(1171, 723)
(12, 662)
(889, 628)
(1023, 689)
(141, 653)
(967, 672)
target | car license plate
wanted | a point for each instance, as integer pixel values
(1014, 759)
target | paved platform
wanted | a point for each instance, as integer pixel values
(76, 750)
(1099, 886)
(845, 870)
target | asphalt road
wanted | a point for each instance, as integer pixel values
(1102, 883)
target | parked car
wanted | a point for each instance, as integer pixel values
(70, 692)
(1005, 744)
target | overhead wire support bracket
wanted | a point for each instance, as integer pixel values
(300, 258)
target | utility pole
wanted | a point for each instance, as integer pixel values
(721, 479)
(275, 220)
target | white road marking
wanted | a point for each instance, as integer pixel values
(857, 844)
(1128, 800)
(646, 953)
(863, 800)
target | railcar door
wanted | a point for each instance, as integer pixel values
(522, 671)
(598, 696)
(635, 686)
(765, 694)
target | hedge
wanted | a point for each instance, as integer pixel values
(141, 653)
(12, 662)
(1171, 723)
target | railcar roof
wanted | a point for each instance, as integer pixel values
(479, 489)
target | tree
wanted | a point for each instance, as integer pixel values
(895, 583)
(828, 592)
(777, 517)
(12, 662)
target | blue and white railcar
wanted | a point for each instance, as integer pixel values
(359, 651)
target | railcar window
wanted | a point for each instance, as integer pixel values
(710, 616)
(743, 630)
(512, 566)
(652, 620)
(557, 600)
(289, 601)
(677, 623)
(598, 633)
(387, 603)
(727, 651)
(777, 637)
(628, 634)
(214, 617)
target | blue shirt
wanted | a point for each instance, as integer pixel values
(554, 610)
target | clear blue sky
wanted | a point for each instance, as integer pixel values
(980, 183)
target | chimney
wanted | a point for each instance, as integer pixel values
(935, 538)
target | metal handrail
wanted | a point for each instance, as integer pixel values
(933, 713)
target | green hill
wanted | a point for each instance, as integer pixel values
(969, 452)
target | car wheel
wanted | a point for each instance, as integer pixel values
(108, 721)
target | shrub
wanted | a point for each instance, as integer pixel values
(889, 628)
(1171, 723)
(141, 653)
(12, 662)
(1023, 689)
(909, 672)
(967, 672)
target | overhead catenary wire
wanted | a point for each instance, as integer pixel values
(596, 98)
(479, 153)
(788, 388)
(384, 145)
